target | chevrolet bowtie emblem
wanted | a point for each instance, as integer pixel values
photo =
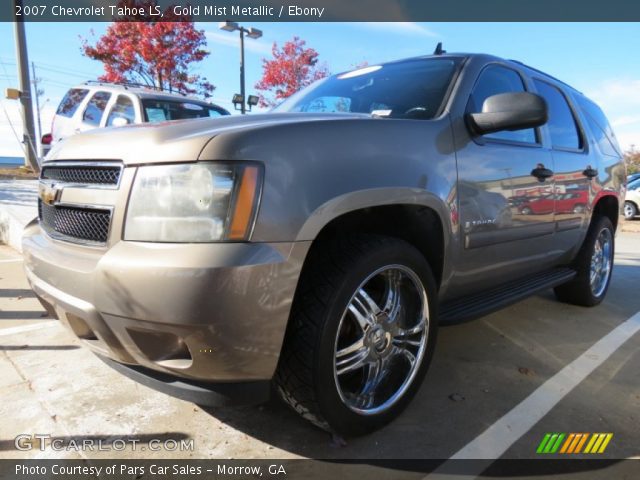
(49, 194)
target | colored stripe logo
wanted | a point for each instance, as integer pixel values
(573, 443)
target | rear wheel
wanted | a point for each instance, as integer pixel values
(361, 334)
(630, 210)
(593, 264)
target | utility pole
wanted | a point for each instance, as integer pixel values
(36, 91)
(29, 140)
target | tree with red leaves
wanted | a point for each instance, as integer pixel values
(292, 68)
(157, 54)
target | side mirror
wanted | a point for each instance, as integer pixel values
(119, 122)
(509, 111)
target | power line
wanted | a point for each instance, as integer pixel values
(51, 67)
(60, 72)
(58, 68)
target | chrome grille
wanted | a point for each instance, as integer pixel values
(75, 224)
(92, 175)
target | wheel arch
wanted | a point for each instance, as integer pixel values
(608, 206)
(416, 217)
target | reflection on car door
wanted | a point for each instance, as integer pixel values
(501, 176)
(574, 172)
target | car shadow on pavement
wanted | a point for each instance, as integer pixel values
(7, 348)
(277, 425)
(17, 293)
(23, 315)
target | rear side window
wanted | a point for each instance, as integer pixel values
(123, 108)
(562, 124)
(493, 80)
(71, 102)
(95, 108)
(162, 110)
(600, 128)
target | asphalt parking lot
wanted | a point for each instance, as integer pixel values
(482, 371)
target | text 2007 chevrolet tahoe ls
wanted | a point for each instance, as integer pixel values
(315, 248)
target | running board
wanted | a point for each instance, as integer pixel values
(476, 305)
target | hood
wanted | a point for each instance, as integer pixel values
(175, 141)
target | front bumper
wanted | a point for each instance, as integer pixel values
(204, 313)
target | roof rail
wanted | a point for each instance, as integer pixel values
(545, 74)
(128, 85)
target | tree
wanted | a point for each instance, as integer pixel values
(292, 68)
(632, 159)
(157, 54)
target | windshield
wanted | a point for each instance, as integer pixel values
(407, 89)
(161, 110)
(634, 185)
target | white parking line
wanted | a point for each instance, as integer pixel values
(497, 439)
(13, 260)
(27, 328)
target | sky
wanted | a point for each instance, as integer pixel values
(599, 59)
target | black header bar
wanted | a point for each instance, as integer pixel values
(328, 11)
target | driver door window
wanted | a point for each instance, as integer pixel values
(493, 80)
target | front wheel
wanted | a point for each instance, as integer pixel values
(361, 335)
(593, 265)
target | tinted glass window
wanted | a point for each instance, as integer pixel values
(600, 128)
(161, 110)
(562, 125)
(71, 102)
(123, 108)
(329, 104)
(492, 81)
(412, 89)
(95, 108)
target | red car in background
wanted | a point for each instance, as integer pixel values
(569, 202)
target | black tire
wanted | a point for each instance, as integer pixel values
(630, 210)
(305, 376)
(579, 291)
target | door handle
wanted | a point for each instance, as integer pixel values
(542, 173)
(590, 172)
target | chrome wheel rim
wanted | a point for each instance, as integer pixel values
(628, 211)
(601, 261)
(381, 340)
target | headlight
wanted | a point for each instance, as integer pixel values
(194, 202)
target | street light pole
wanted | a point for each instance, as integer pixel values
(243, 106)
(251, 33)
(29, 140)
